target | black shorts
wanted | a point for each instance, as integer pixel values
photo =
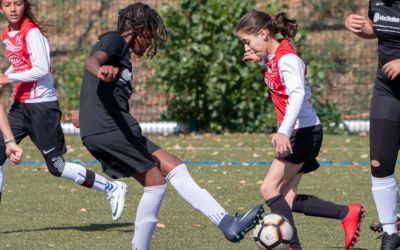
(39, 121)
(306, 143)
(122, 153)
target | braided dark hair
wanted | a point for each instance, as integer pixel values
(142, 20)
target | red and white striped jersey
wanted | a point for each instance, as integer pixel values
(29, 53)
(285, 76)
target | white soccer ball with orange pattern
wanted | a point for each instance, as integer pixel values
(273, 233)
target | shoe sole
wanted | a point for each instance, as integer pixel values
(257, 218)
(123, 194)
(361, 215)
(375, 227)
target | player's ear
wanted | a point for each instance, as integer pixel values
(263, 33)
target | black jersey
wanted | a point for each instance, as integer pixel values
(385, 16)
(104, 106)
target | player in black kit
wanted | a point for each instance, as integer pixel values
(114, 137)
(383, 23)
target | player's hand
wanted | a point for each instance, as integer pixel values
(355, 23)
(108, 73)
(14, 152)
(251, 56)
(392, 69)
(73, 115)
(3, 79)
(282, 145)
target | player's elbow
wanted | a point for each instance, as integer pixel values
(42, 72)
(298, 94)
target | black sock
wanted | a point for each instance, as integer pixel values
(279, 206)
(313, 206)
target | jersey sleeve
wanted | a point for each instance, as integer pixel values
(9, 70)
(113, 46)
(370, 14)
(292, 71)
(39, 53)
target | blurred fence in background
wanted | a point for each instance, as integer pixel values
(347, 63)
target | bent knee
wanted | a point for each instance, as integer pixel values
(268, 190)
(55, 165)
(381, 169)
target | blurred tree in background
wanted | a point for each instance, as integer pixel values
(202, 70)
(210, 86)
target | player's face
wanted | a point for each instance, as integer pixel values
(13, 10)
(142, 43)
(256, 43)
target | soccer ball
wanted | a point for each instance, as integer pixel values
(273, 233)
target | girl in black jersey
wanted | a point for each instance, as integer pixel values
(383, 23)
(113, 135)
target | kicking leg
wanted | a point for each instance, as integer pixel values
(233, 227)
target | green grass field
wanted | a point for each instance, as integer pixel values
(39, 211)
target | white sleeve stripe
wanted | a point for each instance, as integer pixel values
(292, 72)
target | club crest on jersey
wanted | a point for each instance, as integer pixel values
(18, 40)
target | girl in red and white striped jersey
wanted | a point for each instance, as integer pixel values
(35, 111)
(299, 135)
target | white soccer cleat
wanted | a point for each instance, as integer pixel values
(116, 197)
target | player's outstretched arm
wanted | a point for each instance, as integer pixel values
(13, 151)
(360, 25)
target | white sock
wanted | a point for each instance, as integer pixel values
(384, 191)
(199, 198)
(1, 179)
(78, 174)
(147, 216)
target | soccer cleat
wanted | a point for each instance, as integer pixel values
(289, 248)
(116, 197)
(377, 226)
(351, 224)
(390, 242)
(235, 227)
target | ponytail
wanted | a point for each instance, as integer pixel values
(285, 26)
(254, 21)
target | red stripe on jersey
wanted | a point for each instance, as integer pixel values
(17, 53)
(273, 80)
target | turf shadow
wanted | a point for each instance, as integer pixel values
(87, 228)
